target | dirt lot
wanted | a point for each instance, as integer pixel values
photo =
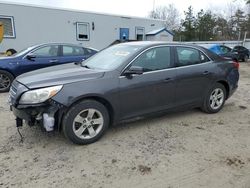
(185, 149)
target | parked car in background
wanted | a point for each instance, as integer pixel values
(238, 53)
(223, 51)
(243, 53)
(121, 82)
(40, 56)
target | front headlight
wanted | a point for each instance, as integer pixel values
(39, 95)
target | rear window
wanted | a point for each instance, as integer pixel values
(212, 55)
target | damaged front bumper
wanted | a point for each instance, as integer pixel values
(46, 115)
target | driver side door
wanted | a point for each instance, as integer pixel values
(152, 91)
(40, 57)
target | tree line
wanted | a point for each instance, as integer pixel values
(205, 25)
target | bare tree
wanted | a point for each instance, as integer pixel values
(168, 13)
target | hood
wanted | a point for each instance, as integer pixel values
(58, 75)
(7, 58)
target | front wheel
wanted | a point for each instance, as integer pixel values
(215, 99)
(6, 79)
(85, 122)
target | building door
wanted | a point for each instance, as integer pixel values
(124, 33)
(139, 32)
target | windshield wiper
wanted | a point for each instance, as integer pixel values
(86, 66)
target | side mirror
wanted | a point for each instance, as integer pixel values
(133, 70)
(31, 57)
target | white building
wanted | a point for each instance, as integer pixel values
(26, 25)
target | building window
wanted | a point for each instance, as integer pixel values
(139, 33)
(82, 31)
(8, 26)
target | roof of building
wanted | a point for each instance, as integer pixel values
(76, 10)
(157, 31)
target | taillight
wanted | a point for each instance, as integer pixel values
(236, 64)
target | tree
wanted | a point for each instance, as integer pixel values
(188, 25)
(205, 26)
(222, 30)
(169, 14)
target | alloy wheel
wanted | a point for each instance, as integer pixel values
(4, 82)
(216, 98)
(88, 123)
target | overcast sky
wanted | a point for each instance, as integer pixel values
(139, 8)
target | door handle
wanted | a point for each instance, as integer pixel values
(206, 73)
(53, 61)
(167, 80)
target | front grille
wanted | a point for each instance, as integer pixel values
(16, 90)
(12, 92)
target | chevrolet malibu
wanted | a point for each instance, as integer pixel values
(122, 82)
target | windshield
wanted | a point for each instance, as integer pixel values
(22, 52)
(112, 57)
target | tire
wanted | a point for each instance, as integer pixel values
(79, 123)
(215, 99)
(245, 59)
(10, 52)
(6, 79)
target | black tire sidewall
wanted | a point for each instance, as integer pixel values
(10, 76)
(245, 58)
(207, 106)
(67, 124)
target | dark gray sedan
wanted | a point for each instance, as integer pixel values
(122, 82)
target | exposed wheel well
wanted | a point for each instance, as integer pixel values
(226, 85)
(102, 101)
(8, 72)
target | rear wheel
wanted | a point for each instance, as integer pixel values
(86, 122)
(215, 99)
(5, 81)
(245, 59)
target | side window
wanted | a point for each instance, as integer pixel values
(154, 59)
(87, 51)
(72, 51)
(189, 56)
(225, 49)
(82, 31)
(47, 51)
(237, 48)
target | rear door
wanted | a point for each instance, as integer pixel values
(194, 72)
(41, 57)
(153, 90)
(73, 54)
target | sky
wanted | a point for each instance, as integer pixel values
(139, 8)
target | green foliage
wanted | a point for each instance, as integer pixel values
(206, 26)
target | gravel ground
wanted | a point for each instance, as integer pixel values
(185, 149)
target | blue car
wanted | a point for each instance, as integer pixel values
(37, 57)
(224, 51)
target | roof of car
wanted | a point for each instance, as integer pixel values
(155, 43)
(147, 44)
(57, 43)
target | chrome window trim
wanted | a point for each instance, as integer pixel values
(39, 47)
(164, 45)
(172, 68)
